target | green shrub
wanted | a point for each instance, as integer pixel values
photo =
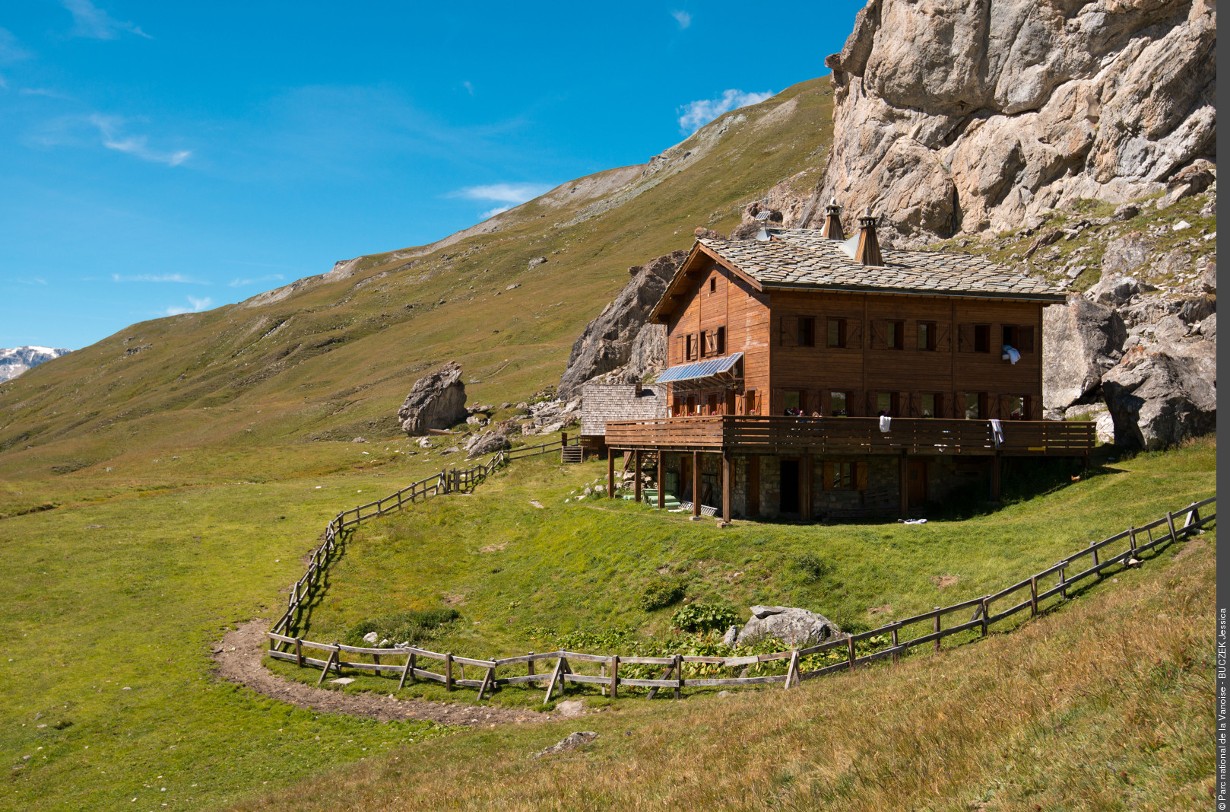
(703, 617)
(661, 594)
(812, 566)
(413, 626)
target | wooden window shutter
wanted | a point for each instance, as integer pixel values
(854, 334)
(878, 341)
(1025, 337)
(943, 337)
(828, 475)
(860, 476)
(965, 338)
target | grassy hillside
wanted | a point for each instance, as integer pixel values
(335, 356)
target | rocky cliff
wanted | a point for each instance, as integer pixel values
(965, 115)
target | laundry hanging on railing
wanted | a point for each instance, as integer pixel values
(1011, 354)
(885, 423)
(997, 432)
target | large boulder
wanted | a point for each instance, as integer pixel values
(1160, 395)
(607, 342)
(488, 442)
(437, 401)
(1080, 342)
(793, 626)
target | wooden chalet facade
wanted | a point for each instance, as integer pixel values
(818, 377)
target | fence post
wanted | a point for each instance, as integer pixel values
(1063, 580)
(614, 667)
(1096, 560)
(937, 628)
(678, 676)
(896, 644)
(1033, 596)
(986, 606)
(299, 651)
(792, 673)
(1132, 541)
(448, 671)
(850, 651)
(530, 665)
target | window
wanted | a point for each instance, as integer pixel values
(837, 333)
(1019, 336)
(713, 284)
(982, 338)
(844, 476)
(807, 331)
(1016, 407)
(886, 403)
(894, 335)
(928, 404)
(691, 349)
(713, 342)
(749, 402)
(793, 401)
(839, 404)
(975, 406)
(926, 335)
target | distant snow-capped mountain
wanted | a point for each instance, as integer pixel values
(15, 362)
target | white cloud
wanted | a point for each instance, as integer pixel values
(514, 193)
(45, 93)
(469, 86)
(243, 283)
(683, 18)
(487, 215)
(697, 114)
(91, 22)
(177, 278)
(195, 306)
(10, 49)
(111, 130)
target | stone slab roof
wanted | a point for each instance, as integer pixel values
(603, 402)
(801, 258)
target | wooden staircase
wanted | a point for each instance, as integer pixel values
(571, 454)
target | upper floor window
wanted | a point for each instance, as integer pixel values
(1019, 336)
(839, 404)
(974, 406)
(929, 404)
(837, 333)
(713, 284)
(691, 347)
(926, 335)
(807, 331)
(713, 342)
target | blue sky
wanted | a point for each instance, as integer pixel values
(163, 157)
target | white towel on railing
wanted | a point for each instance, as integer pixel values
(885, 423)
(997, 432)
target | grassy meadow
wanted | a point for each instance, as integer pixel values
(115, 599)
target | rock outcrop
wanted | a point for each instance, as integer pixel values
(488, 442)
(436, 401)
(962, 116)
(1158, 397)
(1081, 341)
(619, 340)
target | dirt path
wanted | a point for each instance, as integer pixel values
(239, 654)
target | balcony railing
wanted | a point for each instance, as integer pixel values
(854, 435)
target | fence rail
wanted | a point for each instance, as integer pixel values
(889, 641)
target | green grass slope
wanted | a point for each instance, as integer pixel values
(333, 357)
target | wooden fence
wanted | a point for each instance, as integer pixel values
(972, 618)
(448, 481)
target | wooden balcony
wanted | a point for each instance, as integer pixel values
(854, 436)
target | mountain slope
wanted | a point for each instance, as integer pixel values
(332, 356)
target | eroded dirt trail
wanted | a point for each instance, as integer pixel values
(239, 654)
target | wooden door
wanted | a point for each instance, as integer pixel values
(917, 482)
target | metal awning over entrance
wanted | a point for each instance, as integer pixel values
(724, 371)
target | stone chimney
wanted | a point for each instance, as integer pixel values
(832, 222)
(868, 250)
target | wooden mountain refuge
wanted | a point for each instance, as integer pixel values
(812, 376)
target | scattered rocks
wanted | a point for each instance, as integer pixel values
(535, 262)
(571, 742)
(436, 401)
(488, 442)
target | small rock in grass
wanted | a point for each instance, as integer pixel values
(570, 742)
(341, 681)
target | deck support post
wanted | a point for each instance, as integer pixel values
(903, 466)
(610, 473)
(726, 485)
(805, 466)
(695, 484)
(661, 482)
(636, 482)
(995, 477)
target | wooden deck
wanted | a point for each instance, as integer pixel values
(853, 436)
